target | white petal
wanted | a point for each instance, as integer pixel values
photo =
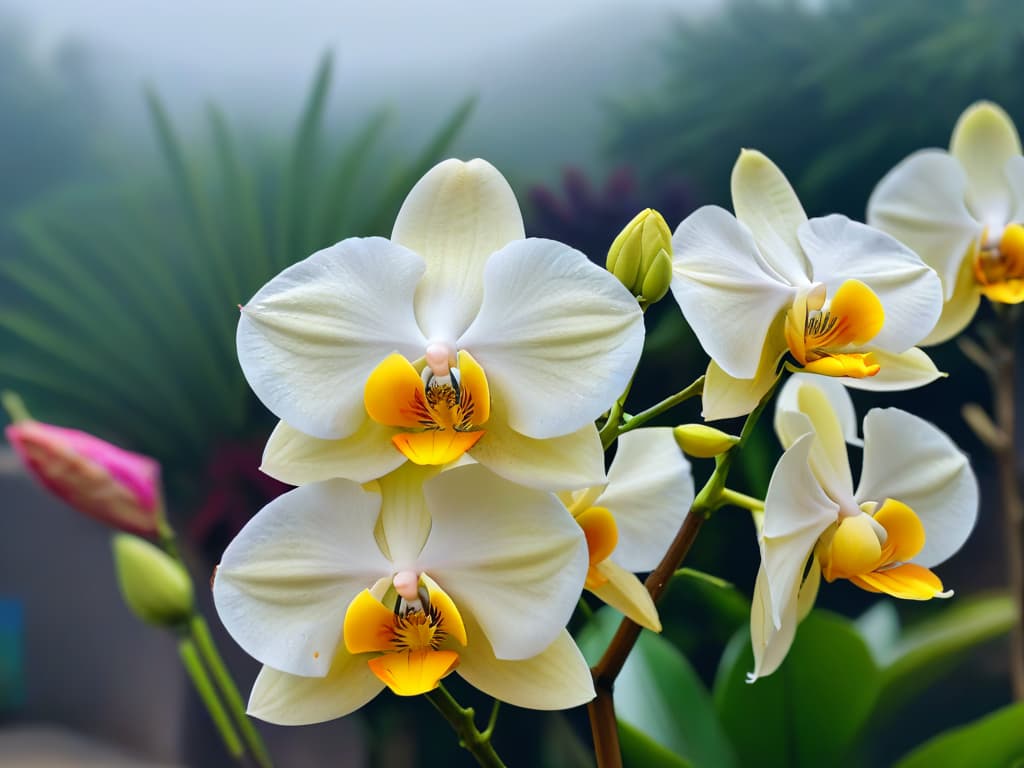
(814, 412)
(404, 519)
(766, 203)
(796, 512)
(309, 338)
(910, 291)
(284, 583)
(561, 463)
(551, 316)
(455, 217)
(556, 678)
(920, 202)
(510, 556)
(626, 593)
(284, 699)
(296, 458)
(725, 397)
(838, 398)
(984, 139)
(729, 296)
(960, 307)
(1015, 178)
(770, 643)
(650, 490)
(906, 370)
(910, 460)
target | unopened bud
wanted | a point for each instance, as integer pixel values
(114, 486)
(702, 441)
(658, 278)
(638, 249)
(154, 585)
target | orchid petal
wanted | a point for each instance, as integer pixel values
(920, 202)
(911, 461)
(960, 307)
(404, 518)
(548, 315)
(727, 293)
(770, 641)
(1015, 178)
(796, 512)
(510, 556)
(626, 593)
(839, 400)
(765, 202)
(284, 699)
(725, 397)
(296, 458)
(556, 678)
(910, 291)
(984, 139)
(455, 217)
(650, 490)
(906, 370)
(572, 461)
(309, 338)
(284, 582)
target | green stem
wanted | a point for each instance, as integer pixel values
(204, 687)
(15, 407)
(461, 720)
(742, 500)
(204, 640)
(638, 420)
(492, 721)
(610, 430)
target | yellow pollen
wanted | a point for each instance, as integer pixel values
(1000, 270)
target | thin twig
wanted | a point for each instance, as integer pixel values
(478, 743)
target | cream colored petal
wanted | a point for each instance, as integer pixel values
(828, 457)
(511, 556)
(771, 643)
(920, 202)
(726, 397)
(556, 678)
(455, 217)
(984, 139)
(404, 520)
(650, 490)
(284, 699)
(766, 203)
(838, 398)
(907, 370)
(910, 460)
(626, 593)
(960, 306)
(551, 316)
(296, 458)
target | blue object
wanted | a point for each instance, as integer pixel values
(12, 659)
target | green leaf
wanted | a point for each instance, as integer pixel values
(641, 751)
(925, 651)
(660, 695)
(994, 740)
(810, 711)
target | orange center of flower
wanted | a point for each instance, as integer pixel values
(443, 408)
(999, 270)
(872, 550)
(408, 639)
(823, 341)
(602, 535)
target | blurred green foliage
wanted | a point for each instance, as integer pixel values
(121, 317)
(834, 92)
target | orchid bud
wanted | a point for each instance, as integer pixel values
(114, 486)
(702, 441)
(640, 251)
(154, 585)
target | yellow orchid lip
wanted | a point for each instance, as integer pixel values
(819, 341)
(408, 639)
(444, 408)
(602, 536)
(999, 270)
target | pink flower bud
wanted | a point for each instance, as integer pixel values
(112, 485)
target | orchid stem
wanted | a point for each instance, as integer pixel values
(696, 389)
(741, 500)
(601, 709)
(478, 743)
(15, 407)
(204, 687)
(611, 427)
(204, 641)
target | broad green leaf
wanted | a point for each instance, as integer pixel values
(994, 741)
(660, 695)
(810, 711)
(641, 751)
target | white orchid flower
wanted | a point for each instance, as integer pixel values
(630, 521)
(840, 298)
(455, 336)
(914, 507)
(963, 212)
(340, 591)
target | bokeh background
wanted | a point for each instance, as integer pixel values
(159, 162)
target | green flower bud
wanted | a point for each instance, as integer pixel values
(637, 250)
(658, 278)
(154, 585)
(702, 441)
